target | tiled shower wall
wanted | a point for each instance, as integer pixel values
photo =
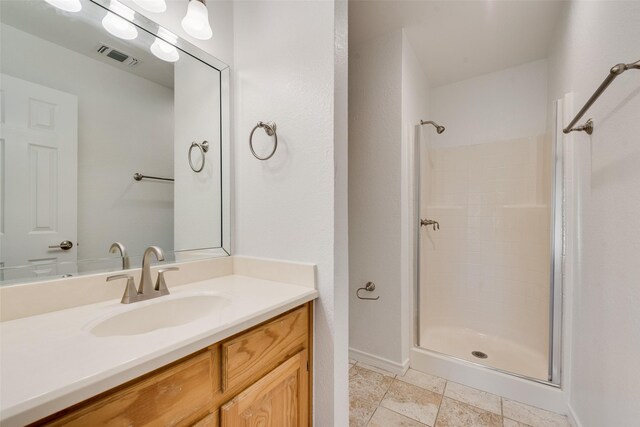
(487, 268)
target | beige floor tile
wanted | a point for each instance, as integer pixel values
(386, 418)
(510, 423)
(360, 411)
(532, 416)
(426, 381)
(375, 369)
(481, 399)
(368, 385)
(412, 401)
(457, 414)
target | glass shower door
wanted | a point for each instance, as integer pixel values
(485, 210)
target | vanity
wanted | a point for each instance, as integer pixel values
(259, 374)
(230, 350)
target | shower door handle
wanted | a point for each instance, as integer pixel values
(427, 222)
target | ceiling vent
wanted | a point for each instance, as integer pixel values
(116, 55)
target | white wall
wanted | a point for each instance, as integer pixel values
(499, 106)
(388, 94)
(605, 341)
(111, 205)
(197, 198)
(375, 142)
(291, 206)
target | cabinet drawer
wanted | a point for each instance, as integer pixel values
(251, 355)
(177, 395)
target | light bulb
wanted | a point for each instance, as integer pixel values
(155, 6)
(164, 50)
(196, 21)
(117, 25)
(66, 5)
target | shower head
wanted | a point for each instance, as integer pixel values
(439, 128)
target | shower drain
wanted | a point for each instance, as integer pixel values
(479, 354)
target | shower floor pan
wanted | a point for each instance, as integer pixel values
(473, 346)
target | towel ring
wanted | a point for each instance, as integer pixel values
(203, 147)
(270, 129)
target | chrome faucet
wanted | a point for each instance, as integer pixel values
(119, 247)
(146, 290)
(146, 286)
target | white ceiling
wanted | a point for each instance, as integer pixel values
(457, 40)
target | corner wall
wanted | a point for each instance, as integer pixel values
(388, 94)
(603, 372)
(375, 114)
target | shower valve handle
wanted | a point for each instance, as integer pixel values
(426, 222)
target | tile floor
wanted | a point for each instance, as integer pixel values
(380, 399)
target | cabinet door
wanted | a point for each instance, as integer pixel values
(279, 399)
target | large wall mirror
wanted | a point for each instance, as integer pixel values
(112, 129)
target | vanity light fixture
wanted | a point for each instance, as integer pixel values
(66, 5)
(155, 6)
(164, 50)
(196, 21)
(118, 25)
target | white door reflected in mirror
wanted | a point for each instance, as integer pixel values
(39, 146)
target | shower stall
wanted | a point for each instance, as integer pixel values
(488, 222)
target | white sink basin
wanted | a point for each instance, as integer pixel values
(163, 312)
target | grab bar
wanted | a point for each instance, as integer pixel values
(615, 71)
(139, 177)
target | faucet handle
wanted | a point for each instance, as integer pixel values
(161, 284)
(130, 292)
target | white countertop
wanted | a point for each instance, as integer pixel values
(51, 361)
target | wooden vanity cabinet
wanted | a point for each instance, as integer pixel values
(259, 377)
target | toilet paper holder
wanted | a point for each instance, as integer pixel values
(369, 287)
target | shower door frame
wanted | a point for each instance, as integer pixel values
(556, 260)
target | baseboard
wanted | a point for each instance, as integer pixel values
(573, 417)
(379, 362)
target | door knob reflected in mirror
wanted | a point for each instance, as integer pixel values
(65, 245)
